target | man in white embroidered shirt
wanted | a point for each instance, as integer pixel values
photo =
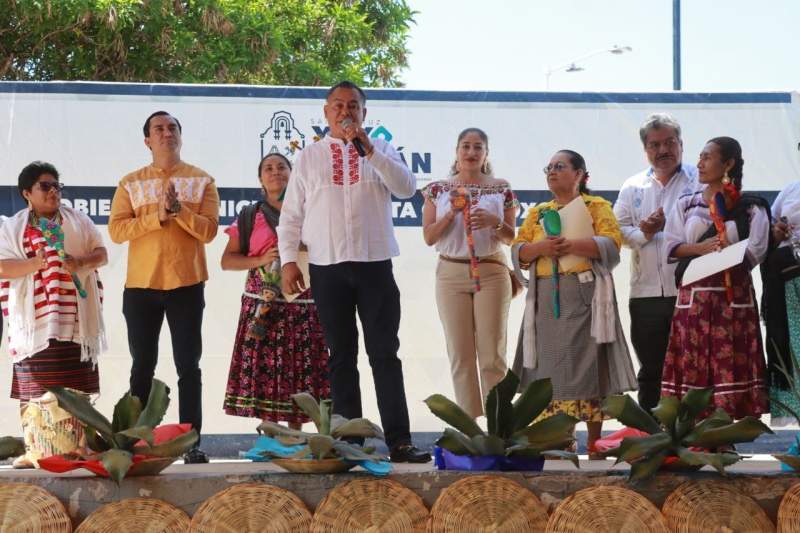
(644, 201)
(338, 203)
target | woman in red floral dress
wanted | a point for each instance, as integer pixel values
(715, 340)
(279, 348)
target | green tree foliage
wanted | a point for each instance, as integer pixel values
(270, 42)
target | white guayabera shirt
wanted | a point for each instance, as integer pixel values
(639, 197)
(340, 204)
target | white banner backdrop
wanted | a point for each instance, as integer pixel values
(92, 132)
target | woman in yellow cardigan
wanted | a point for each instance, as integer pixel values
(582, 349)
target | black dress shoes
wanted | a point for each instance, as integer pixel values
(408, 453)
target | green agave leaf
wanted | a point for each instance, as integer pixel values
(354, 453)
(718, 460)
(126, 412)
(11, 447)
(489, 445)
(666, 412)
(325, 411)
(793, 461)
(452, 414)
(78, 405)
(320, 445)
(117, 462)
(357, 427)
(556, 427)
(273, 429)
(634, 449)
(157, 404)
(717, 419)
(626, 410)
(694, 402)
(308, 404)
(172, 448)
(95, 441)
(533, 400)
(457, 442)
(499, 411)
(562, 454)
(745, 430)
(290, 441)
(139, 432)
(521, 446)
(646, 468)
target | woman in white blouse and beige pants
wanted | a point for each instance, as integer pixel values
(474, 322)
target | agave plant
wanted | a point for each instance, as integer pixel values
(117, 441)
(509, 423)
(673, 431)
(332, 430)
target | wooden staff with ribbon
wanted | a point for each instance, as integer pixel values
(462, 200)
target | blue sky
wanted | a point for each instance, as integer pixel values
(728, 45)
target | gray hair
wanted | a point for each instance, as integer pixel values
(657, 121)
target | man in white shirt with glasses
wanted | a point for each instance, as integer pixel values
(644, 202)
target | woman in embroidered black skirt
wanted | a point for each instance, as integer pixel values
(279, 348)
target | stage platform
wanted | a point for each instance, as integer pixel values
(188, 486)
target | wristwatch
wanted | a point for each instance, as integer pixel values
(499, 225)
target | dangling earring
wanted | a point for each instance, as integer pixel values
(726, 180)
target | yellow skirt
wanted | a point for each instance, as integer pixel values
(583, 410)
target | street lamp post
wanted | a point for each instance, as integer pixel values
(572, 66)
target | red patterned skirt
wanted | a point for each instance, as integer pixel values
(291, 357)
(715, 344)
(57, 365)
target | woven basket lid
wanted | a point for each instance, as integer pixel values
(31, 509)
(487, 503)
(252, 507)
(789, 511)
(710, 505)
(135, 515)
(606, 508)
(374, 505)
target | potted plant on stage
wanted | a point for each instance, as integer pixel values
(674, 437)
(332, 449)
(513, 441)
(130, 444)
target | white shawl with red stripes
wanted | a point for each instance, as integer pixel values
(25, 339)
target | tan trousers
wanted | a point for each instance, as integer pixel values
(474, 328)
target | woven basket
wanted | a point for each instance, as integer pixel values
(136, 515)
(789, 511)
(487, 503)
(313, 466)
(374, 505)
(606, 508)
(31, 509)
(252, 507)
(711, 505)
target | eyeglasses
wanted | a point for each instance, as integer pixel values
(46, 186)
(669, 144)
(558, 167)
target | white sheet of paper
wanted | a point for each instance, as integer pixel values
(302, 264)
(576, 223)
(709, 264)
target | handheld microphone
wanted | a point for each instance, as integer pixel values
(356, 142)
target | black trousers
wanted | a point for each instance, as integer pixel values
(144, 311)
(369, 289)
(651, 319)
